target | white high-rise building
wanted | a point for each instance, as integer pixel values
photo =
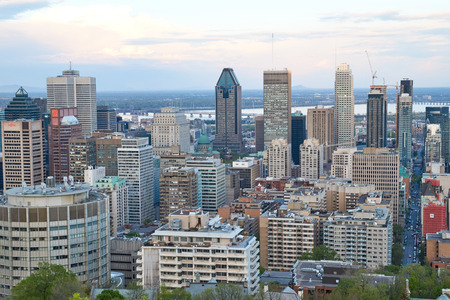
(311, 159)
(341, 166)
(213, 182)
(344, 110)
(71, 90)
(277, 106)
(278, 159)
(170, 128)
(135, 164)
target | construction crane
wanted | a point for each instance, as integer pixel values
(371, 69)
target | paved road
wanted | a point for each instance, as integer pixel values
(411, 247)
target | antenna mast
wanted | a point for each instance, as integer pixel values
(272, 52)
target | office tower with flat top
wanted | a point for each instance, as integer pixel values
(320, 125)
(344, 107)
(404, 129)
(377, 117)
(298, 135)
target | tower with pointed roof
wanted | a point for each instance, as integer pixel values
(22, 107)
(228, 113)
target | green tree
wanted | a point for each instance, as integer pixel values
(77, 296)
(48, 282)
(147, 221)
(181, 294)
(398, 232)
(109, 295)
(164, 294)
(319, 253)
(397, 254)
(135, 291)
(132, 234)
(422, 254)
(223, 291)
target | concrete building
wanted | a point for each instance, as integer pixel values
(124, 257)
(438, 249)
(277, 106)
(213, 182)
(180, 187)
(106, 118)
(72, 90)
(233, 185)
(440, 115)
(404, 123)
(344, 107)
(278, 158)
(361, 237)
(380, 166)
(259, 133)
(320, 126)
(248, 169)
(311, 159)
(228, 113)
(82, 155)
(93, 174)
(193, 247)
(56, 226)
(117, 191)
(284, 236)
(107, 152)
(341, 166)
(23, 153)
(135, 165)
(170, 127)
(313, 197)
(174, 158)
(64, 125)
(434, 159)
(298, 135)
(377, 116)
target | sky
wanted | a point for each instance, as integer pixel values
(139, 45)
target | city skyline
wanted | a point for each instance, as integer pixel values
(186, 42)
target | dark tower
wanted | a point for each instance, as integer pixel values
(22, 107)
(228, 113)
(298, 123)
(377, 117)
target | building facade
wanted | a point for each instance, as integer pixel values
(277, 106)
(82, 155)
(23, 153)
(106, 118)
(278, 158)
(311, 159)
(341, 166)
(248, 169)
(56, 226)
(440, 115)
(259, 133)
(135, 165)
(22, 107)
(170, 128)
(72, 90)
(107, 153)
(298, 135)
(377, 117)
(320, 125)
(404, 129)
(228, 113)
(344, 107)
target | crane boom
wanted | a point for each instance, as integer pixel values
(371, 69)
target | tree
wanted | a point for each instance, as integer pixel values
(132, 234)
(135, 291)
(110, 295)
(398, 232)
(181, 294)
(397, 254)
(223, 291)
(147, 221)
(48, 282)
(77, 296)
(319, 253)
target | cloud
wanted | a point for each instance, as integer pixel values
(389, 15)
(10, 9)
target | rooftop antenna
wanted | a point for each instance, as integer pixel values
(70, 65)
(272, 53)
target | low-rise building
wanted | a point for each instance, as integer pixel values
(438, 249)
(193, 247)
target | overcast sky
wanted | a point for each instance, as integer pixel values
(180, 44)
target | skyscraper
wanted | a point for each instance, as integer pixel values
(311, 159)
(298, 121)
(135, 165)
(170, 128)
(228, 113)
(63, 126)
(344, 107)
(259, 133)
(377, 116)
(278, 158)
(82, 155)
(320, 125)
(404, 129)
(277, 106)
(434, 160)
(440, 115)
(71, 90)
(106, 118)
(23, 153)
(22, 107)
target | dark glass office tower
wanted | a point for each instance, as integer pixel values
(440, 115)
(22, 107)
(377, 116)
(228, 113)
(298, 123)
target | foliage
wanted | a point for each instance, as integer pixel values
(397, 254)
(423, 281)
(223, 291)
(48, 282)
(177, 294)
(261, 270)
(389, 270)
(110, 295)
(319, 253)
(422, 254)
(416, 179)
(272, 293)
(133, 234)
(147, 221)
(135, 291)
(398, 232)
(77, 296)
